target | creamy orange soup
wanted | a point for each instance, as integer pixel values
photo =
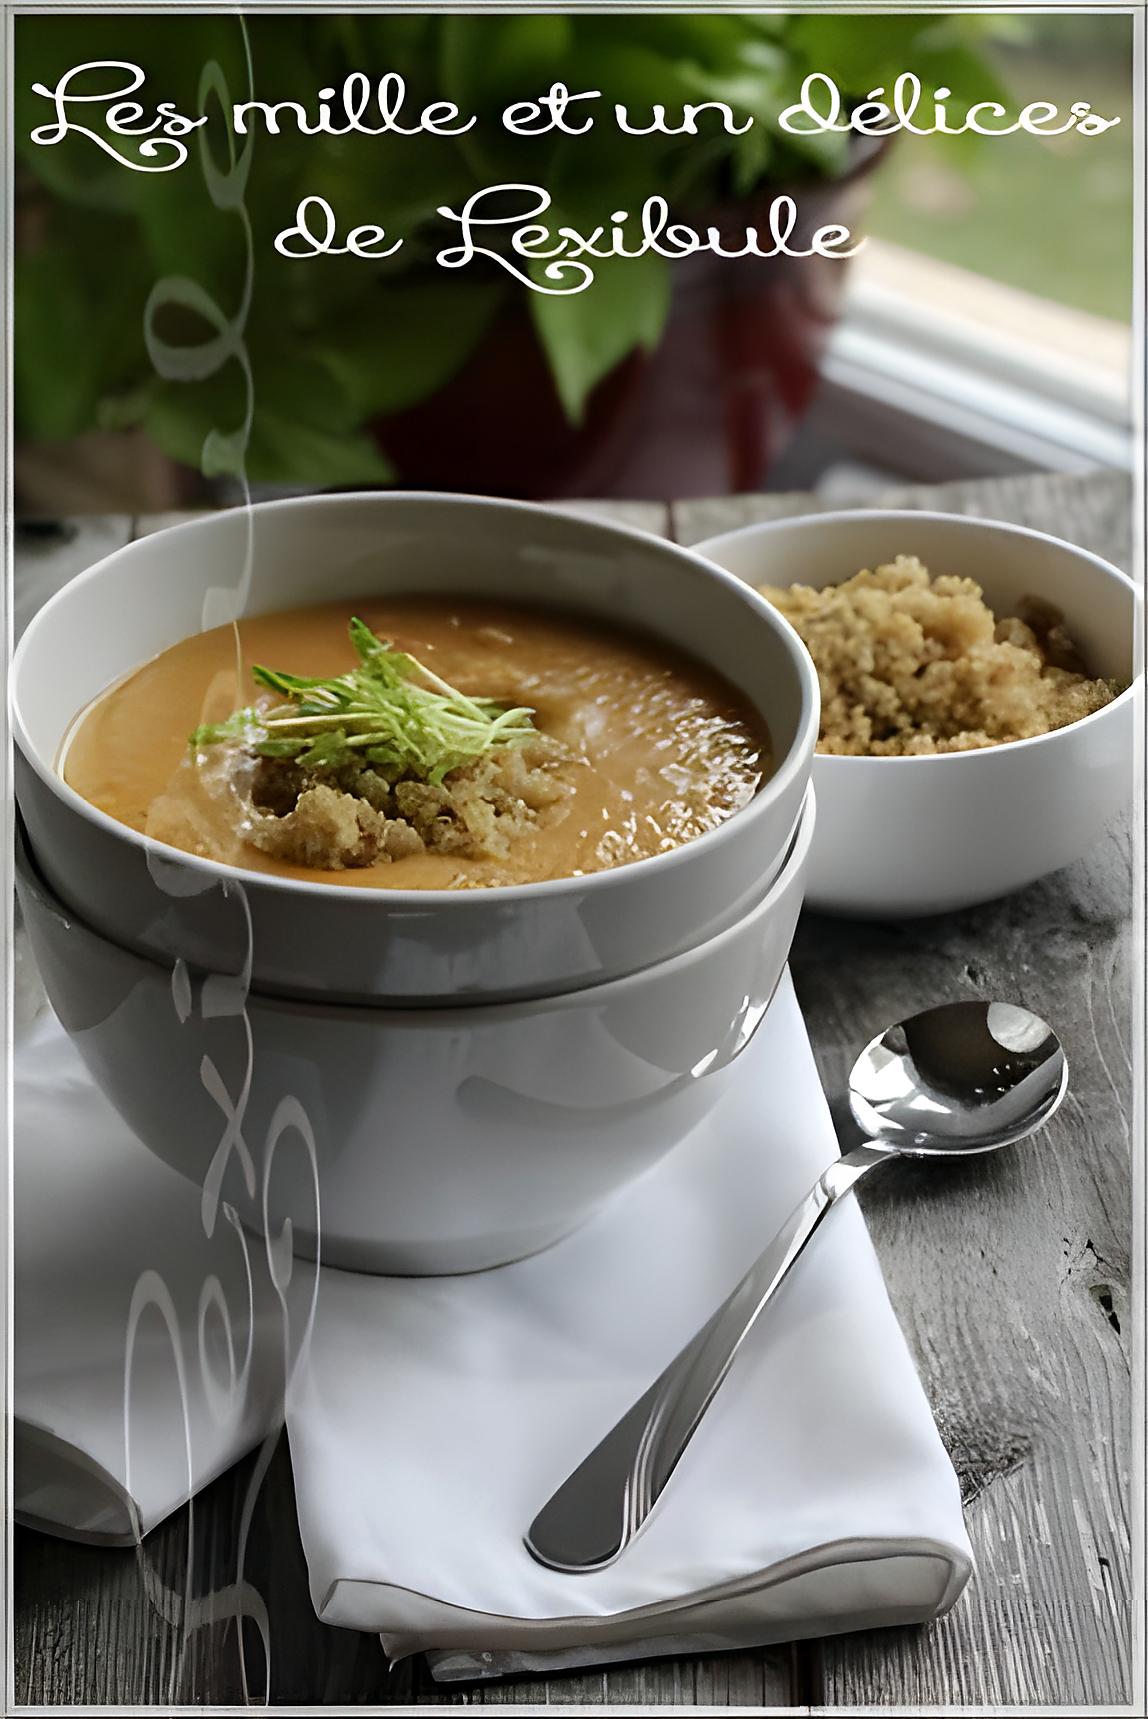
(657, 748)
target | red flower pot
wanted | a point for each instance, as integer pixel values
(706, 413)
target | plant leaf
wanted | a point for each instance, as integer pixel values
(586, 334)
(405, 341)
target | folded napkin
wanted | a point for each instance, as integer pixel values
(434, 1417)
(115, 1279)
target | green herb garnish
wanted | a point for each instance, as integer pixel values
(391, 712)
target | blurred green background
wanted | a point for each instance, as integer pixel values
(348, 359)
(1053, 216)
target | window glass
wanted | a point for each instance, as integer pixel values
(1051, 216)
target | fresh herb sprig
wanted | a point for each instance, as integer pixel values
(391, 712)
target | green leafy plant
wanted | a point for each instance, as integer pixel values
(336, 344)
(391, 711)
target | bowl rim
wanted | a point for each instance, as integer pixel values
(972, 523)
(797, 758)
(478, 1010)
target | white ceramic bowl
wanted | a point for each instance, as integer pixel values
(361, 944)
(897, 837)
(440, 1140)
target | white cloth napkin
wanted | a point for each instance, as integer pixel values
(434, 1417)
(97, 1221)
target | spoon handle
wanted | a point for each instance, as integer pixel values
(600, 1507)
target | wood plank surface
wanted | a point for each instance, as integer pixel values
(1010, 1277)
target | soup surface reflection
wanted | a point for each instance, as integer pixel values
(655, 748)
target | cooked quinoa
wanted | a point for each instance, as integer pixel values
(911, 664)
(356, 817)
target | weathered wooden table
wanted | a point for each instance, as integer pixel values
(1010, 1276)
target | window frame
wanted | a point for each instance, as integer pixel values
(941, 392)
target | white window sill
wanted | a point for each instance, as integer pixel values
(959, 374)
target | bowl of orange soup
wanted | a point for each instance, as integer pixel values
(386, 748)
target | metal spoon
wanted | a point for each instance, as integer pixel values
(962, 1078)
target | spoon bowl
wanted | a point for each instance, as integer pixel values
(964, 1077)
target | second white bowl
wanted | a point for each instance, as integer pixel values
(414, 1140)
(898, 837)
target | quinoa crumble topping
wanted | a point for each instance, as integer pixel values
(909, 664)
(336, 820)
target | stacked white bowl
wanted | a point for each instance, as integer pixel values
(429, 1081)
